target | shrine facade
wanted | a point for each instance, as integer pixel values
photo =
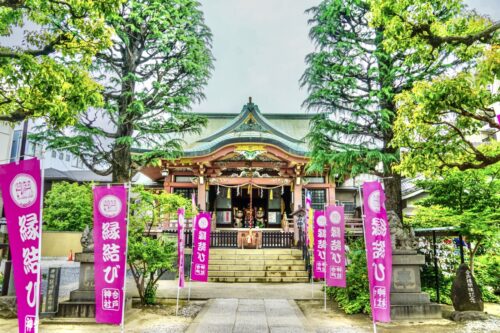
(248, 169)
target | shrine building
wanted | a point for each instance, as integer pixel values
(249, 169)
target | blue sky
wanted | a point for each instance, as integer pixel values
(260, 46)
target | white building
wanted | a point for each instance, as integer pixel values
(6, 132)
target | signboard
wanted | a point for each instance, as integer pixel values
(378, 250)
(21, 192)
(335, 245)
(52, 297)
(110, 252)
(201, 248)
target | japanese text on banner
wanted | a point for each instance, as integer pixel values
(201, 248)
(21, 192)
(110, 246)
(335, 245)
(378, 251)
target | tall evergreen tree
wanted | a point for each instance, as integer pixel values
(153, 72)
(352, 81)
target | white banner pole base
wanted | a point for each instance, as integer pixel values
(325, 295)
(374, 327)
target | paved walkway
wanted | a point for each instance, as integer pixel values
(296, 291)
(249, 315)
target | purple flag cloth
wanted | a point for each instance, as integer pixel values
(335, 245)
(180, 245)
(110, 252)
(201, 248)
(319, 244)
(21, 191)
(378, 250)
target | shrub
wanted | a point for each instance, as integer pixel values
(355, 298)
(68, 207)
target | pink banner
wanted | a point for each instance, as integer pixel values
(378, 250)
(180, 245)
(110, 252)
(319, 244)
(335, 244)
(21, 191)
(201, 248)
(309, 220)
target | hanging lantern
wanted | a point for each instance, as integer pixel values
(271, 191)
(229, 193)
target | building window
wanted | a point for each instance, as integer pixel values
(185, 192)
(68, 157)
(16, 146)
(318, 199)
(61, 156)
(348, 207)
(54, 154)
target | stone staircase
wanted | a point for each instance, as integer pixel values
(249, 265)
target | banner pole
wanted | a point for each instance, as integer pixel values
(128, 187)
(192, 251)
(177, 306)
(39, 282)
(366, 246)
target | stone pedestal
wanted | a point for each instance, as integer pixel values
(81, 302)
(407, 299)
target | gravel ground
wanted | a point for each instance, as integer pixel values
(335, 320)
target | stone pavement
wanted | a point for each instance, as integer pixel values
(249, 315)
(296, 291)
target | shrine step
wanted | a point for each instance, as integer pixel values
(257, 265)
(260, 279)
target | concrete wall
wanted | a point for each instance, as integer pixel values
(59, 243)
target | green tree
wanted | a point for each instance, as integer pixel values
(149, 258)
(469, 200)
(46, 74)
(68, 207)
(438, 119)
(352, 80)
(159, 61)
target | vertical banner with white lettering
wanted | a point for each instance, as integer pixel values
(335, 245)
(180, 244)
(21, 192)
(308, 233)
(110, 252)
(201, 248)
(378, 250)
(319, 244)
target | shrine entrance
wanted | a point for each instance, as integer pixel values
(250, 205)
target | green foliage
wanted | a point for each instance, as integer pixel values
(154, 71)
(468, 200)
(437, 118)
(150, 257)
(68, 207)
(48, 75)
(355, 298)
(488, 277)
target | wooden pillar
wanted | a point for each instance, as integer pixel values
(297, 196)
(167, 184)
(202, 196)
(331, 194)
